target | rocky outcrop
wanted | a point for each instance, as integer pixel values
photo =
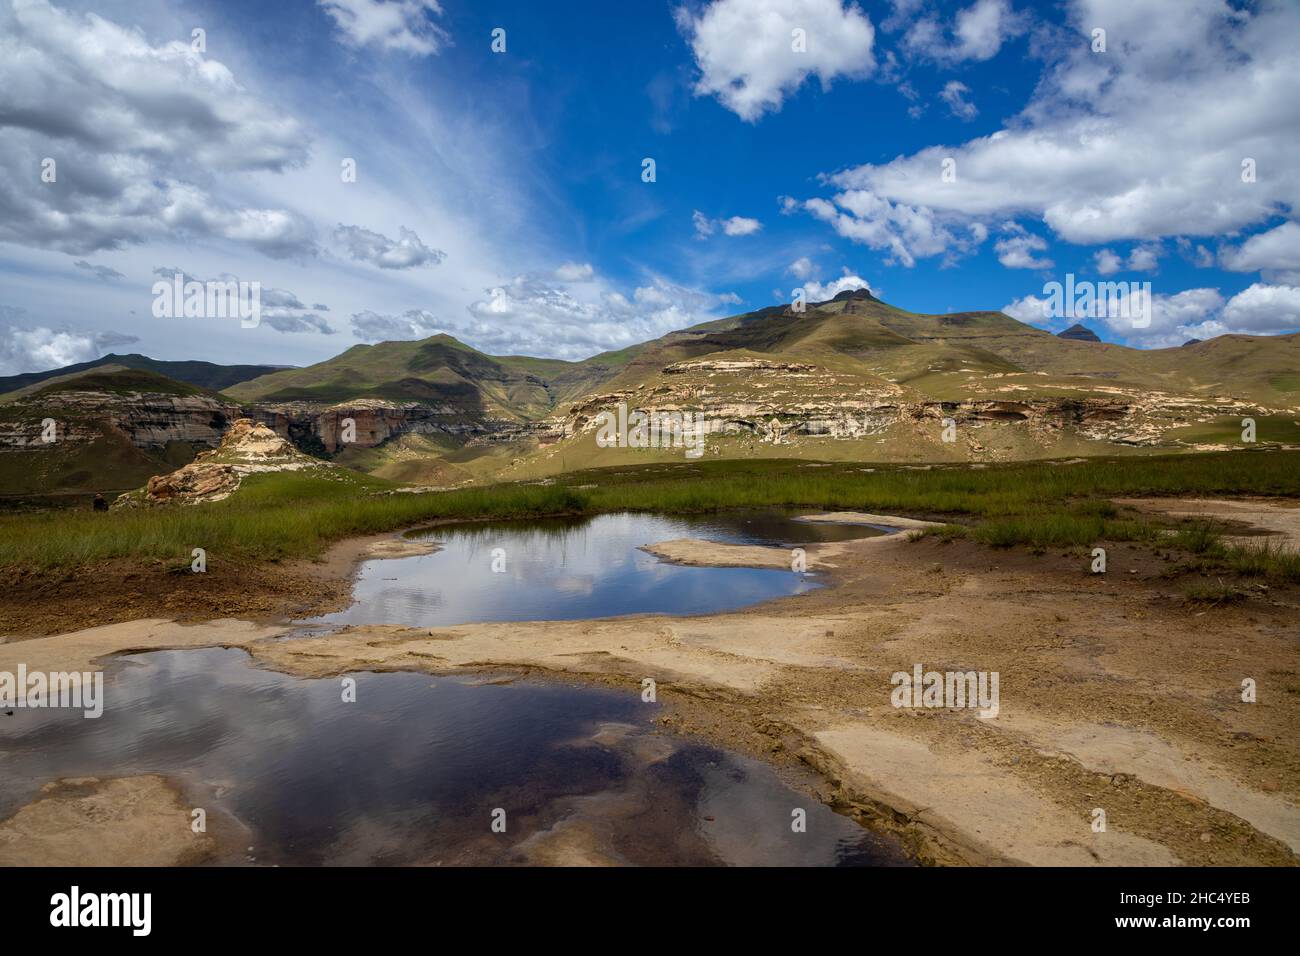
(148, 420)
(736, 365)
(247, 448)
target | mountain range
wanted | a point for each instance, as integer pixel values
(850, 378)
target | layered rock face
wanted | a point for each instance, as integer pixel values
(326, 429)
(786, 402)
(247, 448)
(149, 420)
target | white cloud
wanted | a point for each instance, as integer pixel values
(530, 315)
(802, 267)
(904, 232)
(743, 49)
(1263, 309)
(405, 252)
(1017, 248)
(1029, 309)
(128, 124)
(1145, 258)
(734, 226)
(978, 32)
(817, 292)
(1143, 142)
(954, 94)
(1276, 253)
(575, 272)
(388, 24)
(741, 226)
(1200, 313)
(1107, 262)
(37, 348)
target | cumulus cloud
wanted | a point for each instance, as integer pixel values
(36, 348)
(732, 226)
(531, 314)
(538, 314)
(905, 233)
(127, 124)
(1029, 309)
(404, 252)
(1107, 262)
(815, 291)
(802, 267)
(1017, 248)
(741, 226)
(575, 272)
(746, 49)
(1143, 258)
(1276, 253)
(977, 33)
(402, 25)
(1263, 309)
(1200, 313)
(954, 93)
(1144, 142)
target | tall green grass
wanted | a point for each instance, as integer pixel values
(297, 514)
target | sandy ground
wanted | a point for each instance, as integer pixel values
(1115, 695)
(86, 821)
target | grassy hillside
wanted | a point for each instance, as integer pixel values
(434, 371)
(203, 374)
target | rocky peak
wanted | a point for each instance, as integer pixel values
(848, 294)
(1079, 333)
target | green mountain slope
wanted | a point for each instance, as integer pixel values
(203, 374)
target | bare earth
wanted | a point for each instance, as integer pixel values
(1115, 694)
(130, 821)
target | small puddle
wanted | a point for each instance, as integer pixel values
(411, 772)
(573, 568)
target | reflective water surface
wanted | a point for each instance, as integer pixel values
(412, 771)
(571, 568)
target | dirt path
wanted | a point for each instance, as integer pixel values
(1114, 695)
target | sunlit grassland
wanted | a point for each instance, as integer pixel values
(1038, 504)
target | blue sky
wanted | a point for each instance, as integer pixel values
(499, 197)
